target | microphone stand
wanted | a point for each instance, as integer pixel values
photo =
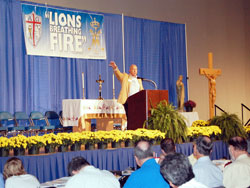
(144, 79)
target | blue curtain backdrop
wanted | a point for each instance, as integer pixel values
(39, 83)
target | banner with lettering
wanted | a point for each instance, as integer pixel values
(63, 33)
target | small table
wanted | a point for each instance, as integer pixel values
(62, 181)
(79, 112)
(55, 183)
(190, 117)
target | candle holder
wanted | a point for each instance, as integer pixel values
(113, 93)
(83, 96)
(100, 82)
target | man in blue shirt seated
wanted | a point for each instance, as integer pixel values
(204, 170)
(148, 176)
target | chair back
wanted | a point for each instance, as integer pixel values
(61, 113)
(6, 122)
(35, 115)
(22, 119)
(54, 120)
(21, 116)
(51, 115)
(37, 118)
(6, 116)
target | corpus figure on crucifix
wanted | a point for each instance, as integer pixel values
(211, 74)
(212, 86)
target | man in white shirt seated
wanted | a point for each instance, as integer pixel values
(204, 170)
(85, 176)
(177, 170)
(237, 174)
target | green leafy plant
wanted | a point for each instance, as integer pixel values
(229, 124)
(167, 119)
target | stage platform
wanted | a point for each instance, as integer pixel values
(54, 166)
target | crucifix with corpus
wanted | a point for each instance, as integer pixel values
(211, 75)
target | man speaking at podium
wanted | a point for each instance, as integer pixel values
(130, 84)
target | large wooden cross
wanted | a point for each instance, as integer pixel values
(211, 74)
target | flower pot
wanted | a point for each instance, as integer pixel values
(19, 151)
(102, 145)
(62, 148)
(33, 150)
(75, 147)
(128, 143)
(189, 109)
(49, 149)
(4, 152)
(89, 146)
(115, 144)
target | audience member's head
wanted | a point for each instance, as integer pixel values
(167, 146)
(176, 169)
(13, 167)
(202, 146)
(143, 151)
(248, 145)
(237, 146)
(76, 164)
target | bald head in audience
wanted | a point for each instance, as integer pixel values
(143, 151)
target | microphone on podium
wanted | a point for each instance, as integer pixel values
(145, 79)
(140, 78)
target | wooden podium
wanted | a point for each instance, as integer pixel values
(139, 106)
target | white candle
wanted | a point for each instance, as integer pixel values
(82, 79)
(113, 81)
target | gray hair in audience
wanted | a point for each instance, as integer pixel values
(143, 149)
(238, 143)
(76, 164)
(176, 168)
(204, 145)
(167, 145)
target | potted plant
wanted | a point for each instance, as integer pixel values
(189, 105)
(19, 144)
(5, 146)
(50, 142)
(200, 123)
(196, 131)
(34, 143)
(118, 137)
(103, 137)
(90, 140)
(76, 141)
(230, 125)
(153, 136)
(129, 138)
(63, 140)
(165, 117)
